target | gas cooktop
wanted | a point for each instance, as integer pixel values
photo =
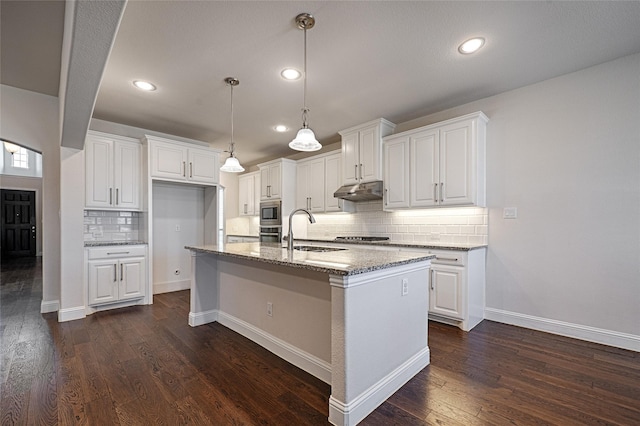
(351, 238)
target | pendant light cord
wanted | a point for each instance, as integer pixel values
(305, 110)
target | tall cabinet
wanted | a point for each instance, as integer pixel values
(113, 173)
(437, 165)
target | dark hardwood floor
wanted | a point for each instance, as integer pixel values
(144, 365)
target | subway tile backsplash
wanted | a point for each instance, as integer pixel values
(463, 225)
(103, 225)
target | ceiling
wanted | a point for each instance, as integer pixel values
(391, 59)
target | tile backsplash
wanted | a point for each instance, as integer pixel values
(462, 225)
(103, 225)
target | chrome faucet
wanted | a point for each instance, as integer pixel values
(290, 236)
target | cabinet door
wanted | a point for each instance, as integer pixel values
(127, 175)
(132, 278)
(103, 281)
(396, 173)
(203, 166)
(246, 196)
(316, 185)
(350, 160)
(168, 161)
(99, 172)
(424, 168)
(303, 174)
(456, 164)
(275, 183)
(446, 291)
(264, 183)
(369, 152)
(256, 194)
(332, 181)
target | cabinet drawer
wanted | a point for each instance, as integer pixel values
(449, 257)
(116, 252)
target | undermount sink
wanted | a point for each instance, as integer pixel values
(317, 248)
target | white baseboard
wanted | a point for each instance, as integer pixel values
(304, 360)
(170, 286)
(47, 306)
(350, 414)
(203, 317)
(70, 314)
(576, 331)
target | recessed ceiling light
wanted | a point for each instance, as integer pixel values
(144, 85)
(291, 74)
(281, 128)
(471, 45)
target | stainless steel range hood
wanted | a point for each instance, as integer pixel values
(360, 192)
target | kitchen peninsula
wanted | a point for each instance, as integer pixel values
(355, 318)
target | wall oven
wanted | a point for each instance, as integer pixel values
(271, 213)
(270, 234)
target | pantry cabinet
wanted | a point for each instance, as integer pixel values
(116, 274)
(438, 165)
(249, 194)
(181, 162)
(362, 151)
(113, 172)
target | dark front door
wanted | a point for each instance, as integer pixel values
(18, 223)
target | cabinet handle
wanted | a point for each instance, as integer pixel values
(431, 278)
(449, 259)
(184, 169)
(109, 253)
(190, 169)
(245, 208)
(115, 272)
(435, 193)
(117, 196)
(110, 195)
(386, 197)
(121, 272)
(360, 171)
(441, 192)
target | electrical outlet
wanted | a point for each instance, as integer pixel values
(270, 309)
(405, 286)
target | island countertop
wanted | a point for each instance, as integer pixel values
(350, 261)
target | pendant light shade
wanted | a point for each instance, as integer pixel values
(305, 139)
(11, 147)
(231, 165)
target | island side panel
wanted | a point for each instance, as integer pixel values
(204, 289)
(379, 337)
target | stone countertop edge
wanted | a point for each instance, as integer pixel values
(243, 235)
(458, 247)
(367, 261)
(113, 243)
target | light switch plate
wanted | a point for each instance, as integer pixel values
(510, 213)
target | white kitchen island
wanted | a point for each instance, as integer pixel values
(356, 318)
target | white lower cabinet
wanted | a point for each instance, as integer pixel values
(116, 274)
(446, 291)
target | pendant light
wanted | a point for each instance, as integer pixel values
(232, 165)
(11, 147)
(305, 139)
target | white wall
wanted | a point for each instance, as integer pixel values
(175, 205)
(31, 119)
(566, 153)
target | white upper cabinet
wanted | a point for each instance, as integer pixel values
(446, 164)
(277, 178)
(112, 172)
(362, 151)
(333, 181)
(177, 161)
(310, 189)
(249, 194)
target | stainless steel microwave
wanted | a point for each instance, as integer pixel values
(271, 213)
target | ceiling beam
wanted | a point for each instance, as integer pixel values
(89, 33)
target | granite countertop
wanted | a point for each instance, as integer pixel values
(243, 235)
(112, 243)
(434, 246)
(342, 262)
